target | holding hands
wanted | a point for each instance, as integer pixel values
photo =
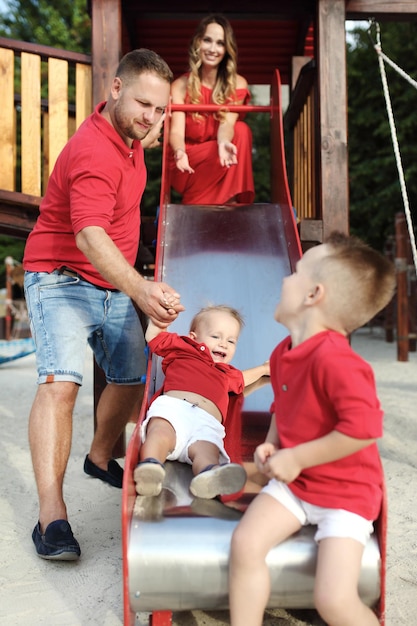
(160, 302)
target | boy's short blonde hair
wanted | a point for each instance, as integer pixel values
(360, 281)
(213, 308)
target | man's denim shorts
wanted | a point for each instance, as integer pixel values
(66, 313)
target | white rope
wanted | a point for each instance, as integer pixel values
(400, 169)
(398, 69)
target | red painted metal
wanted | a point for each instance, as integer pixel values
(161, 618)
(381, 531)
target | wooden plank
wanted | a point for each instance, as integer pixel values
(18, 213)
(45, 151)
(305, 161)
(58, 109)
(310, 130)
(106, 45)
(83, 93)
(44, 52)
(311, 231)
(333, 115)
(294, 169)
(381, 9)
(106, 40)
(31, 124)
(401, 236)
(7, 121)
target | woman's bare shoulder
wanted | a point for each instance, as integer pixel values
(179, 88)
(241, 82)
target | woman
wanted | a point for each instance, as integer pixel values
(211, 153)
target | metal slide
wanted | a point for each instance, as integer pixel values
(175, 547)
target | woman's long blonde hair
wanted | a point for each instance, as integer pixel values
(225, 85)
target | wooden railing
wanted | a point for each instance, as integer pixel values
(46, 94)
(301, 120)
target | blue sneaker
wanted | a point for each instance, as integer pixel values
(58, 543)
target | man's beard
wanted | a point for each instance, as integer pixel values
(126, 127)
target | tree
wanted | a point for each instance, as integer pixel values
(59, 23)
(375, 194)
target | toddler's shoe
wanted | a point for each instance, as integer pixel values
(58, 543)
(149, 475)
(218, 480)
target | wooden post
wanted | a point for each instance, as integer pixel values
(412, 299)
(389, 313)
(106, 53)
(402, 295)
(333, 115)
(106, 45)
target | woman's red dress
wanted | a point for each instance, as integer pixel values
(212, 183)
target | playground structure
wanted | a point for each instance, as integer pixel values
(304, 39)
(313, 36)
(175, 547)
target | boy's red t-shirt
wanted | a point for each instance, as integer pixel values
(188, 366)
(319, 386)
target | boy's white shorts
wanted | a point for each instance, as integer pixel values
(190, 422)
(330, 522)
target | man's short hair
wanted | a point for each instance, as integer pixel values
(144, 60)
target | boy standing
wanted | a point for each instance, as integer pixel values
(320, 453)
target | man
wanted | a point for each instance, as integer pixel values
(81, 286)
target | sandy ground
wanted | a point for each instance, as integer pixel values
(33, 591)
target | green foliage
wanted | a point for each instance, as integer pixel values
(375, 193)
(59, 23)
(150, 199)
(261, 154)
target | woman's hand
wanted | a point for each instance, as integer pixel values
(227, 153)
(181, 161)
(152, 138)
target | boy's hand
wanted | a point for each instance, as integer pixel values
(282, 465)
(171, 301)
(262, 454)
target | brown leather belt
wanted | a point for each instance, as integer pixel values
(66, 271)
